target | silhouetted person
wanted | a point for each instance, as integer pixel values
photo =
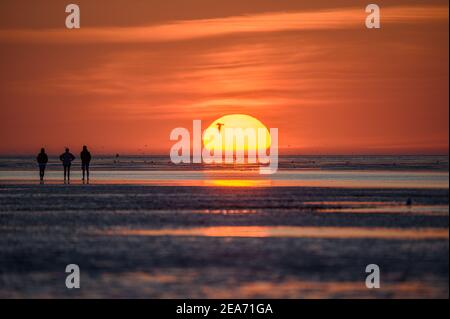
(85, 156)
(42, 160)
(66, 158)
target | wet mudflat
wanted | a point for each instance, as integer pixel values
(137, 241)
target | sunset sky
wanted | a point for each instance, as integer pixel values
(137, 69)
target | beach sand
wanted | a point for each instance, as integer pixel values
(147, 241)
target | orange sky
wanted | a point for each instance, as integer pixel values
(137, 69)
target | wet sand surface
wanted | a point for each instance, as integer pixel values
(143, 241)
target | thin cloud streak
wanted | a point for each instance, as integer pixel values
(258, 23)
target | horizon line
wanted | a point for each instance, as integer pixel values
(280, 155)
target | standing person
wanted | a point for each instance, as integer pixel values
(42, 160)
(66, 158)
(85, 156)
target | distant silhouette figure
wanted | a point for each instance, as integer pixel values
(409, 202)
(66, 158)
(42, 160)
(219, 126)
(85, 156)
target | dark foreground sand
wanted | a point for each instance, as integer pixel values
(107, 231)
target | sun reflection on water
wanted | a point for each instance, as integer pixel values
(290, 232)
(237, 183)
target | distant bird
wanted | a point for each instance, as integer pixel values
(219, 126)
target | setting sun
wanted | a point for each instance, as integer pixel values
(248, 124)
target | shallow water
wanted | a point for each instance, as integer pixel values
(286, 162)
(303, 178)
(145, 228)
(289, 232)
(436, 210)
